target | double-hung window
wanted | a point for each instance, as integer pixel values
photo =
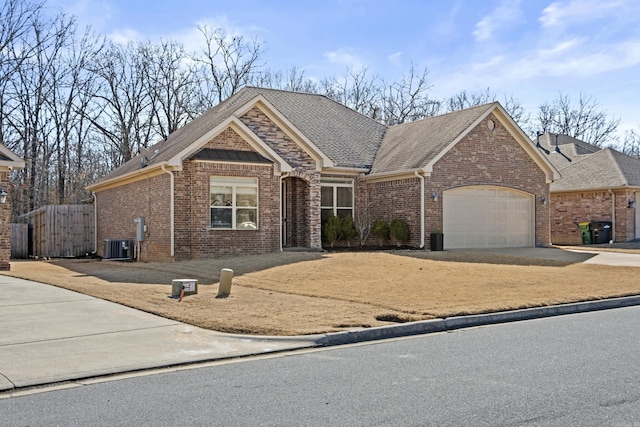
(234, 203)
(336, 197)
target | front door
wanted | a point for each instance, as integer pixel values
(295, 213)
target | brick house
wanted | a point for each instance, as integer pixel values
(8, 162)
(261, 171)
(597, 185)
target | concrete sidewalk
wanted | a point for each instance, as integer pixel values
(51, 335)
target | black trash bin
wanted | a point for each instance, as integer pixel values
(600, 231)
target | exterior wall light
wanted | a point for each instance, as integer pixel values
(631, 203)
(434, 196)
(543, 200)
(3, 197)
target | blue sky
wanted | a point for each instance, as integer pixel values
(529, 49)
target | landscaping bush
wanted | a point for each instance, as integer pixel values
(380, 229)
(332, 230)
(348, 229)
(399, 231)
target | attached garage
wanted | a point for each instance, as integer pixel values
(487, 217)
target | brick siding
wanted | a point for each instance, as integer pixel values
(569, 209)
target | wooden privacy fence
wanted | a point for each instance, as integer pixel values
(56, 231)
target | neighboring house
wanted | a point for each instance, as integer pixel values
(8, 162)
(597, 185)
(262, 170)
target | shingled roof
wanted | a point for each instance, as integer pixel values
(348, 138)
(413, 145)
(586, 167)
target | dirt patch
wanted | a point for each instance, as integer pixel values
(295, 293)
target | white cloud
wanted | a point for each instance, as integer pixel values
(560, 14)
(123, 36)
(343, 56)
(394, 58)
(506, 14)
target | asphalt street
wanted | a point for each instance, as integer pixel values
(575, 370)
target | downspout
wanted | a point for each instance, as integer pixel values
(421, 208)
(172, 214)
(613, 215)
(283, 176)
(95, 223)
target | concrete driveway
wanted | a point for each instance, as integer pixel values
(51, 334)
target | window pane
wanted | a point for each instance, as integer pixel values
(345, 197)
(221, 196)
(326, 196)
(246, 219)
(324, 215)
(247, 196)
(343, 213)
(221, 218)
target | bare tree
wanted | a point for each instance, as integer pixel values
(584, 120)
(465, 99)
(170, 79)
(407, 100)
(357, 89)
(631, 143)
(121, 108)
(227, 64)
(292, 79)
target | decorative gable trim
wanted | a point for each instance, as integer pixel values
(261, 103)
(247, 134)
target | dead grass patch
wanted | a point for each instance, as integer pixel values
(294, 293)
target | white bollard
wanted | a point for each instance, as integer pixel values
(226, 275)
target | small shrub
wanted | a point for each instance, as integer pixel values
(332, 230)
(399, 231)
(380, 229)
(348, 229)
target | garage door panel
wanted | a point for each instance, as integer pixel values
(487, 217)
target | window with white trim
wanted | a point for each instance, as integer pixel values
(234, 203)
(336, 197)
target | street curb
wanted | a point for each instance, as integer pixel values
(460, 322)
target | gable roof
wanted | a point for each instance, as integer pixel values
(586, 166)
(416, 146)
(345, 137)
(334, 135)
(413, 145)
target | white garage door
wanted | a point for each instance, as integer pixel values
(487, 217)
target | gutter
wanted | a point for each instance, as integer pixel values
(172, 215)
(95, 222)
(613, 215)
(421, 209)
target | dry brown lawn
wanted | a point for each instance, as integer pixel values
(294, 293)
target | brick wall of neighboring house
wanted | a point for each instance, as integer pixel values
(569, 209)
(5, 226)
(118, 207)
(488, 157)
(398, 198)
(303, 165)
